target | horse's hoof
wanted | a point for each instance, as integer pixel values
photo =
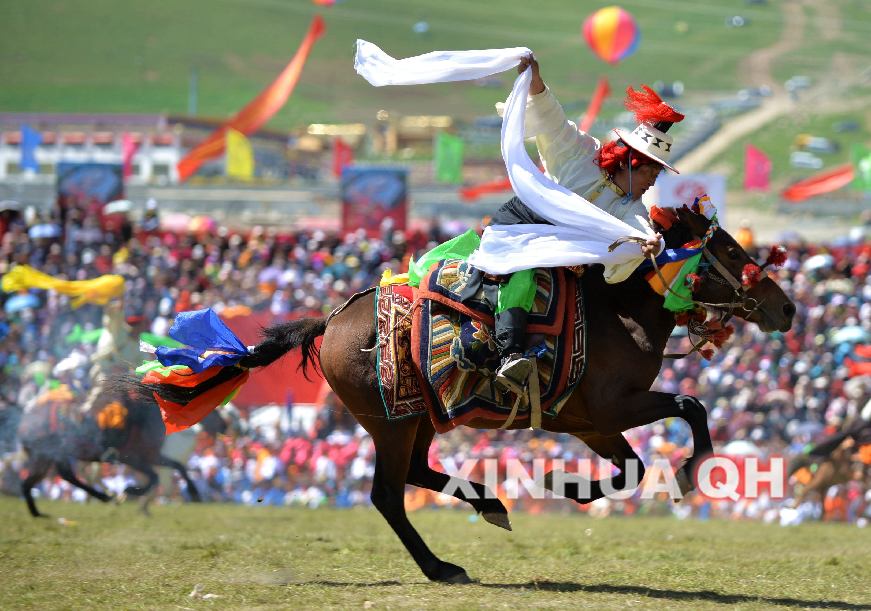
(450, 573)
(497, 519)
(684, 482)
(460, 579)
(119, 498)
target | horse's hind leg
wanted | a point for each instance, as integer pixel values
(165, 461)
(37, 469)
(420, 474)
(393, 447)
(144, 468)
(66, 472)
(614, 448)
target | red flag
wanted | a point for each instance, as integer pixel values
(259, 110)
(602, 92)
(128, 150)
(342, 155)
(757, 169)
(826, 182)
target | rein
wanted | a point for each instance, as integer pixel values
(744, 301)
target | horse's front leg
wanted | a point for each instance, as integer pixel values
(611, 417)
(613, 448)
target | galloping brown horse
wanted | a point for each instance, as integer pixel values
(628, 333)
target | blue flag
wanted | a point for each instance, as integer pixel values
(30, 139)
(207, 342)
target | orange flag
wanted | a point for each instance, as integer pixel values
(259, 110)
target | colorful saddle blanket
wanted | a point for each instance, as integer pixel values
(437, 354)
(397, 378)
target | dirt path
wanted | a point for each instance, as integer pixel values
(755, 69)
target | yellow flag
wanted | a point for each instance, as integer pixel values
(240, 156)
(98, 290)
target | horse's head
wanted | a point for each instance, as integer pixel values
(729, 279)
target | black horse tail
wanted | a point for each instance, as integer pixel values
(280, 339)
(212, 391)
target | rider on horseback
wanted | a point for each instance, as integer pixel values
(613, 176)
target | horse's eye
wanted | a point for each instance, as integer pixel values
(733, 254)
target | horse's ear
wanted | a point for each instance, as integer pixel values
(697, 223)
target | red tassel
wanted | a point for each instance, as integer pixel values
(649, 107)
(776, 257)
(750, 275)
(707, 353)
(681, 319)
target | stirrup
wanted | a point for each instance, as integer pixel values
(514, 373)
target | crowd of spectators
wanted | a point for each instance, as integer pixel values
(773, 394)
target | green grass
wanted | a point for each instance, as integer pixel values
(109, 56)
(262, 557)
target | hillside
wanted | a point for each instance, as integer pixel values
(107, 56)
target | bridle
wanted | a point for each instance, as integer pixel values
(715, 271)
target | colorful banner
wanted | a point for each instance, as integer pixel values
(372, 195)
(603, 90)
(448, 158)
(88, 186)
(861, 158)
(99, 290)
(757, 169)
(343, 156)
(128, 150)
(829, 181)
(30, 140)
(259, 110)
(239, 159)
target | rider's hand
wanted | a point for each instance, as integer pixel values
(651, 246)
(537, 85)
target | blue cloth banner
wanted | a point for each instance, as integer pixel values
(202, 331)
(30, 139)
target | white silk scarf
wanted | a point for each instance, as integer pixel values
(581, 232)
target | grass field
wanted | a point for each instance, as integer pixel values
(108, 56)
(261, 557)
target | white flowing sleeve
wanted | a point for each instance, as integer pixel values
(567, 154)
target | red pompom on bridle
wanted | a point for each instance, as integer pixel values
(776, 257)
(750, 275)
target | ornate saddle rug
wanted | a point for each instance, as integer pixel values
(455, 354)
(397, 379)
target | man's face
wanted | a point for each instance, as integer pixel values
(643, 178)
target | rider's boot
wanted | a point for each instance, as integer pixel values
(510, 327)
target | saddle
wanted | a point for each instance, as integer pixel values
(437, 354)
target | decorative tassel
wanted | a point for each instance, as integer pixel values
(776, 257)
(648, 107)
(707, 353)
(693, 282)
(750, 275)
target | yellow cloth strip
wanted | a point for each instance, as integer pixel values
(97, 290)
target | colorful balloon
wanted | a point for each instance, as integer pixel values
(612, 34)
